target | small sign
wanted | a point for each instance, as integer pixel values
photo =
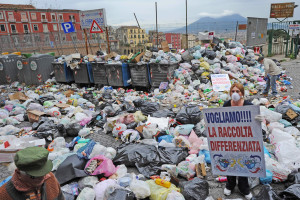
(242, 26)
(95, 28)
(294, 26)
(220, 82)
(68, 27)
(163, 86)
(87, 17)
(253, 35)
(282, 10)
(211, 35)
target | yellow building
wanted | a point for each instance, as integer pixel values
(132, 35)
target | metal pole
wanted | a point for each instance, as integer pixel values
(107, 40)
(90, 44)
(99, 42)
(137, 20)
(74, 43)
(156, 26)
(236, 30)
(186, 29)
(86, 45)
(270, 42)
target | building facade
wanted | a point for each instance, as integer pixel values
(174, 40)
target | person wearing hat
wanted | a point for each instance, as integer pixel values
(33, 179)
(272, 72)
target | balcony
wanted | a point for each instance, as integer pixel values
(12, 20)
(44, 20)
(24, 20)
(13, 31)
(54, 20)
(26, 31)
(61, 20)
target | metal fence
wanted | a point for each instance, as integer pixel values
(62, 43)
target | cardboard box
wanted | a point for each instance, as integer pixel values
(165, 46)
(138, 57)
(68, 93)
(62, 105)
(34, 115)
(18, 96)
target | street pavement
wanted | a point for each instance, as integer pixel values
(216, 189)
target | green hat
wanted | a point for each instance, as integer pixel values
(34, 161)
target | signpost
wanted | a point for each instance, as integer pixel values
(282, 10)
(211, 35)
(87, 19)
(294, 26)
(220, 82)
(95, 28)
(242, 26)
(69, 28)
(235, 141)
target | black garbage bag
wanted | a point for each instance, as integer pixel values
(147, 158)
(164, 113)
(266, 193)
(46, 126)
(196, 189)
(138, 103)
(293, 178)
(224, 58)
(88, 96)
(47, 135)
(291, 193)
(189, 115)
(72, 167)
(107, 95)
(128, 107)
(45, 98)
(100, 123)
(132, 125)
(73, 129)
(110, 111)
(121, 194)
(210, 54)
(195, 68)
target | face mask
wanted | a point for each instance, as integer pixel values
(235, 97)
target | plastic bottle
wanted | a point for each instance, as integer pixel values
(221, 179)
(163, 183)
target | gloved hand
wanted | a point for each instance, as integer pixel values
(260, 118)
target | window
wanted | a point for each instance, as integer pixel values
(25, 26)
(33, 16)
(11, 16)
(54, 27)
(2, 27)
(53, 18)
(60, 16)
(13, 28)
(143, 36)
(43, 16)
(134, 36)
(45, 28)
(72, 18)
(23, 16)
(1, 15)
(35, 27)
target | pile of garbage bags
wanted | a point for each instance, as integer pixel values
(162, 131)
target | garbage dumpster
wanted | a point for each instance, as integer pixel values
(63, 73)
(83, 73)
(8, 68)
(40, 67)
(24, 73)
(118, 74)
(139, 75)
(161, 73)
(99, 73)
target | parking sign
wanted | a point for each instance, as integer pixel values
(68, 27)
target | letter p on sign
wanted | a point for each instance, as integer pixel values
(68, 27)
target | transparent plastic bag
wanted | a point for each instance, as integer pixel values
(140, 188)
(174, 195)
(89, 181)
(86, 194)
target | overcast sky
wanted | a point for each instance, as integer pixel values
(120, 12)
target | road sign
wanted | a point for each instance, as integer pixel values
(68, 27)
(294, 26)
(95, 28)
(282, 10)
(242, 26)
(87, 17)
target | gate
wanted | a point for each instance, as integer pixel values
(282, 40)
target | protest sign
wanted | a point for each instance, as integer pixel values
(220, 82)
(235, 141)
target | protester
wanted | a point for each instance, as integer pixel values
(33, 178)
(237, 99)
(272, 73)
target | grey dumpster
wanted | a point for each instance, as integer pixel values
(40, 67)
(63, 73)
(118, 74)
(99, 72)
(8, 68)
(161, 73)
(140, 75)
(84, 74)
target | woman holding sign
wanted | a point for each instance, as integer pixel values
(237, 99)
